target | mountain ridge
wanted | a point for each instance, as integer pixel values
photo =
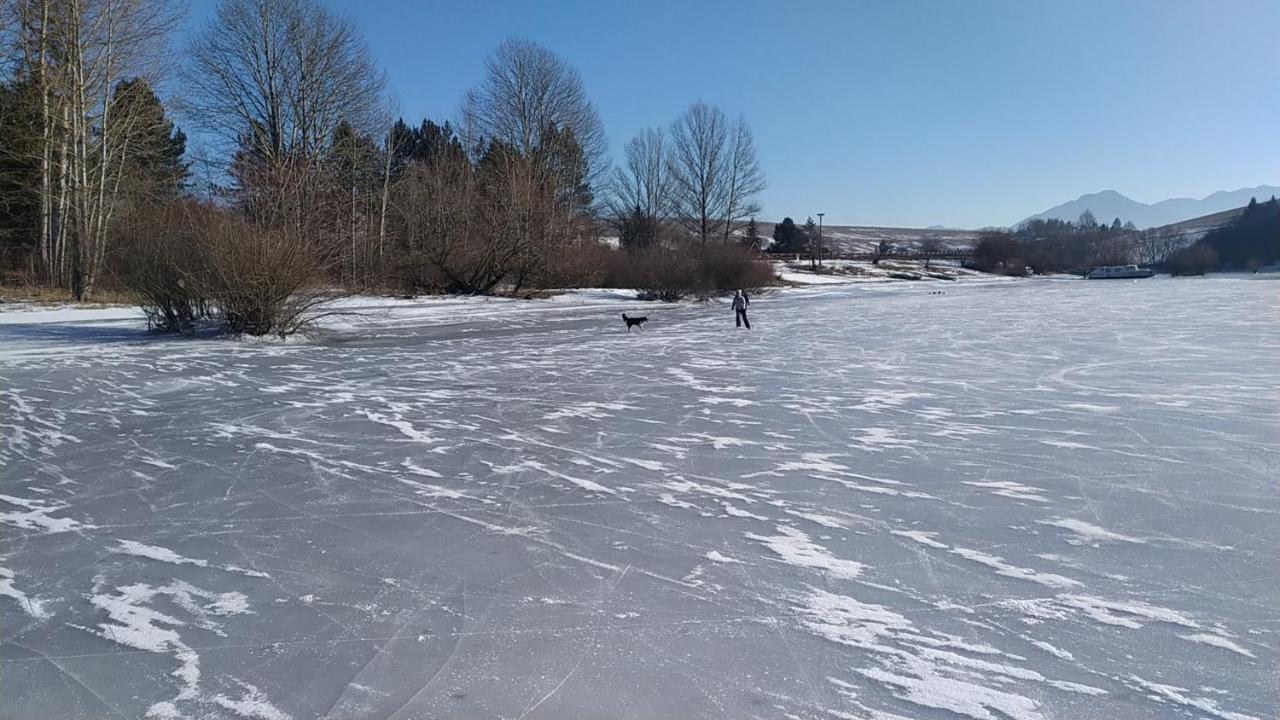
(1109, 204)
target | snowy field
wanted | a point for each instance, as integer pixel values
(1036, 499)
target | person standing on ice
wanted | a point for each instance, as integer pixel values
(740, 303)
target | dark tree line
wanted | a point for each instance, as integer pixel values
(1249, 242)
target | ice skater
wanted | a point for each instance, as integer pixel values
(740, 303)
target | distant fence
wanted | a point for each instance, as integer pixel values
(902, 255)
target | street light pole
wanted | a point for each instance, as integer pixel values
(820, 238)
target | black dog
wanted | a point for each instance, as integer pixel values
(634, 321)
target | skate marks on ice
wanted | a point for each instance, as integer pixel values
(879, 503)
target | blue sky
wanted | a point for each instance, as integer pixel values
(898, 113)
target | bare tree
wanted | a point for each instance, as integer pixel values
(640, 192)
(285, 73)
(715, 172)
(698, 168)
(744, 179)
(529, 99)
(929, 246)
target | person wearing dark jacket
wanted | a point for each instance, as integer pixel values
(740, 303)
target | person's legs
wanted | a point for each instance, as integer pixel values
(737, 318)
(745, 321)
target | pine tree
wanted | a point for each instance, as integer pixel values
(787, 238)
(19, 169)
(154, 167)
(752, 238)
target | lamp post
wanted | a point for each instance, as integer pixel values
(820, 238)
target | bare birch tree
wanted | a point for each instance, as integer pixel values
(78, 52)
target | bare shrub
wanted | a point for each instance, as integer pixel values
(263, 281)
(159, 259)
(994, 249)
(671, 273)
(732, 267)
(576, 264)
(1195, 260)
(188, 262)
(665, 274)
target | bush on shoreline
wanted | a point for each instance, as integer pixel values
(191, 264)
(671, 274)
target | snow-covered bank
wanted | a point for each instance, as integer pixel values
(351, 312)
(838, 272)
(13, 313)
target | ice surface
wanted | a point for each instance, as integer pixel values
(1037, 499)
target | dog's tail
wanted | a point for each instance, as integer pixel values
(624, 317)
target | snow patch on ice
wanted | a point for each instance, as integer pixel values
(588, 410)
(404, 426)
(927, 688)
(39, 516)
(132, 622)
(1009, 489)
(1217, 641)
(715, 556)
(1052, 650)
(588, 485)
(1179, 696)
(32, 606)
(165, 555)
(1087, 533)
(924, 676)
(416, 470)
(829, 521)
(155, 552)
(251, 705)
(920, 536)
(875, 439)
(1068, 445)
(1001, 567)
(1088, 407)
(1123, 614)
(734, 511)
(818, 462)
(795, 548)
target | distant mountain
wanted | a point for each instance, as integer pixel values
(1109, 204)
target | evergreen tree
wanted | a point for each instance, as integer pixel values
(355, 158)
(637, 230)
(154, 167)
(19, 169)
(560, 155)
(1250, 242)
(752, 237)
(787, 238)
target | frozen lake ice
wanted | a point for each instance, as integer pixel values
(1038, 499)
